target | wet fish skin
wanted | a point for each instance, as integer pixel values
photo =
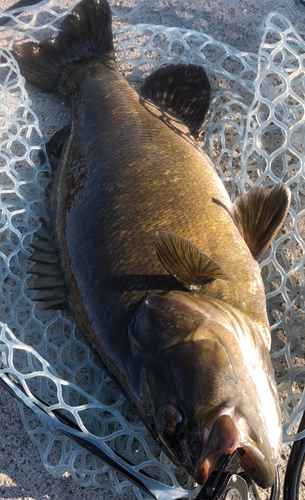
(225, 356)
(125, 174)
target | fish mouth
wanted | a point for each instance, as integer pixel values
(214, 461)
(248, 465)
(225, 439)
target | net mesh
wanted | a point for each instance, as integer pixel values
(254, 135)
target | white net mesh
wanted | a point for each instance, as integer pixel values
(254, 134)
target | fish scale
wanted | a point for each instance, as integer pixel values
(136, 188)
(152, 256)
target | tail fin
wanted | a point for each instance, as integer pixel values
(85, 34)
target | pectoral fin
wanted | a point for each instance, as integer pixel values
(186, 262)
(259, 214)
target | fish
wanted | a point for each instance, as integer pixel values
(18, 5)
(159, 269)
(300, 4)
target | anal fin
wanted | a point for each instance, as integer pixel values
(180, 89)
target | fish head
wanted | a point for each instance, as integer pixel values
(198, 390)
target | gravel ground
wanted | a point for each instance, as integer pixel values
(22, 476)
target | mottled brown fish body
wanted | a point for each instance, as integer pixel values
(138, 216)
(138, 177)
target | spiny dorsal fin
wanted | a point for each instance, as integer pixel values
(43, 246)
(50, 295)
(43, 258)
(186, 262)
(50, 281)
(181, 89)
(46, 269)
(259, 214)
(53, 299)
(59, 305)
(47, 282)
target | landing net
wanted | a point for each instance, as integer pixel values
(254, 135)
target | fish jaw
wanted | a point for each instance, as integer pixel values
(198, 366)
(224, 422)
(218, 435)
(225, 438)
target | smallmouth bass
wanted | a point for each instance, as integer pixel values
(156, 264)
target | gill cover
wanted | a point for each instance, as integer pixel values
(204, 360)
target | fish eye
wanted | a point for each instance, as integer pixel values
(170, 417)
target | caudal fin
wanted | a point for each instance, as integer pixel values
(84, 34)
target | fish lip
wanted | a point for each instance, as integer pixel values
(226, 437)
(213, 461)
(257, 466)
(248, 465)
(263, 476)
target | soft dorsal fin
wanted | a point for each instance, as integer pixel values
(259, 214)
(186, 262)
(181, 89)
